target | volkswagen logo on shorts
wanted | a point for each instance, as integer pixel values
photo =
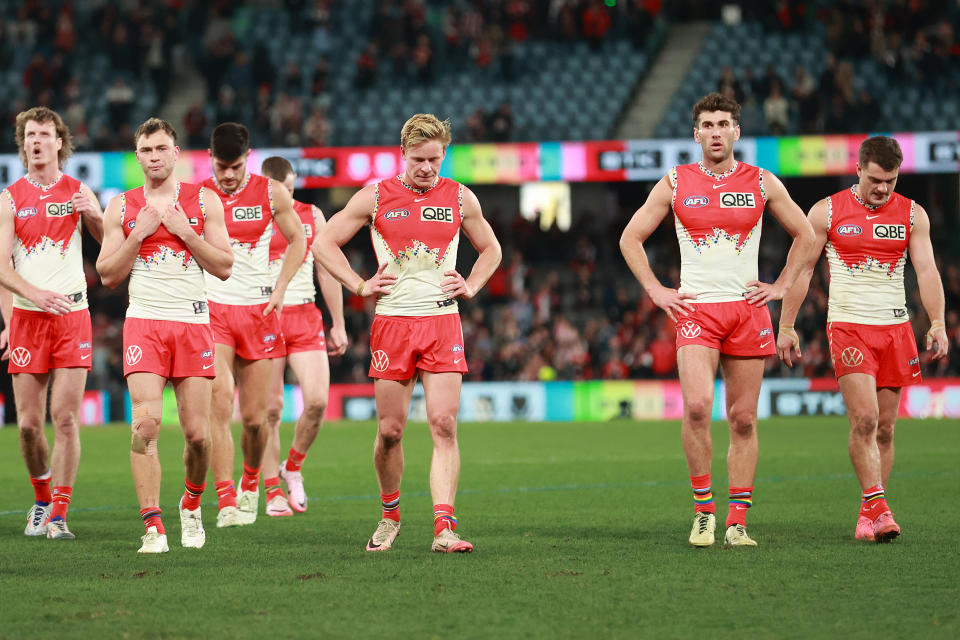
(379, 360)
(689, 329)
(852, 357)
(20, 357)
(134, 354)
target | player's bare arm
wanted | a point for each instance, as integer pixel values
(6, 311)
(212, 249)
(331, 291)
(787, 338)
(49, 301)
(791, 217)
(288, 222)
(339, 229)
(86, 204)
(643, 223)
(928, 282)
(117, 253)
(481, 236)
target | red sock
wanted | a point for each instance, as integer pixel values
(702, 494)
(272, 485)
(151, 518)
(391, 505)
(191, 495)
(874, 502)
(295, 460)
(41, 488)
(226, 494)
(741, 499)
(61, 502)
(443, 518)
(250, 481)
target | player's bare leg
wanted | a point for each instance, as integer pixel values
(193, 407)
(221, 437)
(66, 399)
(697, 367)
(393, 405)
(863, 411)
(277, 504)
(313, 373)
(146, 398)
(30, 395)
(742, 379)
(888, 402)
(253, 394)
(443, 402)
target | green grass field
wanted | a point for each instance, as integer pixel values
(580, 532)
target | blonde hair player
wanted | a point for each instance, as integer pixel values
(415, 220)
(868, 230)
(47, 332)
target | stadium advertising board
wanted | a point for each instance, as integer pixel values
(517, 163)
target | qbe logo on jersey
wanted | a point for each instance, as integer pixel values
(134, 355)
(380, 360)
(59, 209)
(889, 232)
(737, 201)
(690, 329)
(436, 214)
(243, 214)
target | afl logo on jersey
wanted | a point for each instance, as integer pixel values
(436, 214)
(308, 230)
(243, 214)
(131, 224)
(396, 214)
(849, 230)
(27, 212)
(737, 201)
(695, 202)
(59, 209)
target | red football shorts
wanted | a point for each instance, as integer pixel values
(886, 352)
(399, 345)
(244, 328)
(734, 328)
(41, 341)
(167, 348)
(303, 328)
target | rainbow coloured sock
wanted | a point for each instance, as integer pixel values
(250, 480)
(151, 518)
(702, 494)
(191, 495)
(391, 505)
(272, 486)
(226, 494)
(874, 502)
(61, 502)
(741, 499)
(443, 518)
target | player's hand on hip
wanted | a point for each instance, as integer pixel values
(673, 301)
(5, 344)
(455, 286)
(937, 340)
(788, 341)
(379, 283)
(337, 341)
(761, 293)
(51, 302)
(148, 221)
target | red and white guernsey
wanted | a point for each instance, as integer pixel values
(46, 247)
(417, 234)
(718, 217)
(867, 251)
(248, 213)
(301, 289)
(166, 282)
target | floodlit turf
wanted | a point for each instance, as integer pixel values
(580, 532)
